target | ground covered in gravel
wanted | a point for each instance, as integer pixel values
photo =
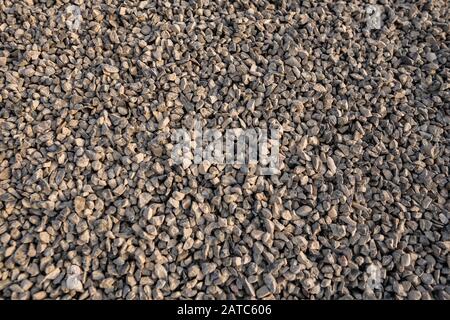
(93, 207)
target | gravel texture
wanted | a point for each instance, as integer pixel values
(93, 207)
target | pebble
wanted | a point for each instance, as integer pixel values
(73, 283)
(304, 211)
(79, 204)
(270, 282)
(144, 199)
(405, 260)
(83, 162)
(249, 289)
(160, 271)
(110, 69)
(262, 292)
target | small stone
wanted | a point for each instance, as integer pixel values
(308, 284)
(144, 199)
(110, 69)
(303, 259)
(44, 237)
(83, 162)
(159, 169)
(173, 202)
(338, 231)
(349, 99)
(270, 282)
(208, 268)
(405, 260)
(204, 167)
(304, 211)
(262, 292)
(331, 165)
(41, 295)
(5, 174)
(160, 271)
(414, 295)
(249, 289)
(74, 270)
(292, 61)
(431, 56)
(73, 283)
(319, 88)
(303, 19)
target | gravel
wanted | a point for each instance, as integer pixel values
(92, 205)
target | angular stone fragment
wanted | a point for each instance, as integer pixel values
(144, 198)
(270, 282)
(160, 271)
(73, 283)
(44, 237)
(262, 292)
(303, 211)
(353, 204)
